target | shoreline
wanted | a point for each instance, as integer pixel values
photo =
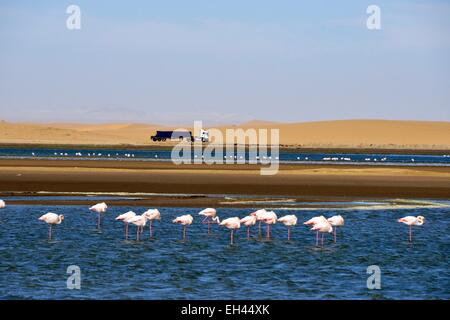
(283, 148)
(301, 181)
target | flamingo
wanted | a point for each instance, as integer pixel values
(313, 221)
(412, 221)
(269, 217)
(258, 214)
(323, 227)
(99, 208)
(184, 221)
(249, 221)
(289, 220)
(210, 215)
(232, 224)
(152, 214)
(2, 204)
(139, 222)
(125, 217)
(51, 219)
(336, 221)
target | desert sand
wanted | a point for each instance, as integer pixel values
(370, 134)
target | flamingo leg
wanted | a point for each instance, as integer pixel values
(126, 230)
(50, 233)
(259, 229)
(98, 221)
(151, 233)
(289, 233)
(317, 238)
(335, 234)
(137, 234)
(410, 233)
(248, 233)
(231, 236)
(322, 239)
(268, 231)
(184, 232)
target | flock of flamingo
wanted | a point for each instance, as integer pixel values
(319, 224)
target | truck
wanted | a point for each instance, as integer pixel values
(180, 135)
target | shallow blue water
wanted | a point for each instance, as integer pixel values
(283, 157)
(207, 267)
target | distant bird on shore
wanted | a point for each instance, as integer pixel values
(336, 221)
(258, 214)
(139, 222)
(210, 216)
(232, 224)
(152, 214)
(268, 217)
(184, 221)
(51, 218)
(412, 221)
(248, 221)
(99, 208)
(124, 218)
(323, 227)
(313, 221)
(2, 204)
(288, 221)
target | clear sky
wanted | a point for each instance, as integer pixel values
(224, 61)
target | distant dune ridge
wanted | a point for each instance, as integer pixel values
(322, 134)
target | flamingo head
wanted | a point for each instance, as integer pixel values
(61, 217)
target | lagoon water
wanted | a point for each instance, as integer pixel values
(208, 267)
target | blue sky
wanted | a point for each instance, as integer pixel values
(223, 61)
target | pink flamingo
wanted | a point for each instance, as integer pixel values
(51, 219)
(184, 221)
(210, 216)
(139, 222)
(249, 221)
(125, 217)
(258, 214)
(269, 217)
(2, 204)
(412, 221)
(99, 208)
(289, 220)
(336, 221)
(152, 214)
(232, 224)
(312, 222)
(322, 227)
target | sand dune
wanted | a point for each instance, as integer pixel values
(323, 134)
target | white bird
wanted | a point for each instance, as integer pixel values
(258, 214)
(139, 222)
(412, 221)
(2, 204)
(289, 220)
(51, 218)
(323, 227)
(152, 214)
(99, 208)
(313, 221)
(269, 217)
(232, 224)
(210, 216)
(249, 221)
(125, 217)
(336, 221)
(184, 221)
